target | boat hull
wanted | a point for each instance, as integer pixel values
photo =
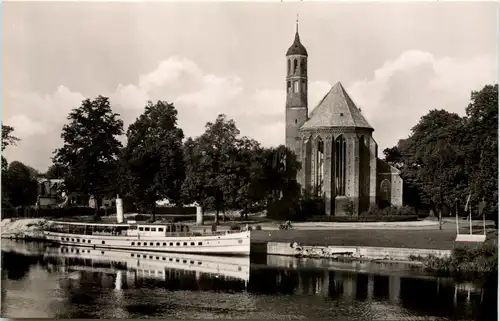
(223, 244)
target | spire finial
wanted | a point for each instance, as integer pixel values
(297, 24)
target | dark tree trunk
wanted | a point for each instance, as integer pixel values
(97, 204)
(153, 211)
(217, 216)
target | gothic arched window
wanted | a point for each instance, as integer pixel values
(340, 165)
(385, 188)
(295, 65)
(320, 160)
(288, 86)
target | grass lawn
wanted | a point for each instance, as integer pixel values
(422, 239)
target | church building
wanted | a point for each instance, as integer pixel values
(335, 146)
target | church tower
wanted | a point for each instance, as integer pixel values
(296, 93)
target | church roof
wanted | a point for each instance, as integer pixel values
(296, 48)
(336, 109)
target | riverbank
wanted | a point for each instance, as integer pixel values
(401, 245)
(22, 228)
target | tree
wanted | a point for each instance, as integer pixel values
(481, 143)
(20, 185)
(433, 159)
(90, 152)
(7, 140)
(243, 186)
(393, 157)
(55, 171)
(279, 181)
(209, 169)
(154, 156)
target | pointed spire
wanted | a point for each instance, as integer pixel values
(297, 25)
(297, 48)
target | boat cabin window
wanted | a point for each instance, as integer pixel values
(160, 229)
(141, 229)
(146, 229)
(153, 229)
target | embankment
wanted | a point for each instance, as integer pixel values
(346, 252)
(22, 228)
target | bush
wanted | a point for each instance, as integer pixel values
(378, 218)
(31, 212)
(191, 210)
(235, 227)
(312, 207)
(374, 210)
(480, 259)
(349, 208)
(283, 209)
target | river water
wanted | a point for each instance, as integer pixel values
(73, 282)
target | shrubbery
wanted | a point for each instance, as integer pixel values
(31, 212)
(313, 210)
(380, 218)
(295, 211)
(390, 211)
(480, 259)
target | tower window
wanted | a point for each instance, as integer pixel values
(295, 64)
(288, 66)
(288, 86)
(296, 87)
(295, 120)
(304, 86)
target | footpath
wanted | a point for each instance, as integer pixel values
(353, 225)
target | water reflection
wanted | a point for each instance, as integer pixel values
(84, 282)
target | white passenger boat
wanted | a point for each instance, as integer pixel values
(157, 237)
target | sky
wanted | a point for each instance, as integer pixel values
(397, 61)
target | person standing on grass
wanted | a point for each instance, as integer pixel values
(482, 207)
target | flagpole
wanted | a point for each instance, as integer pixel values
(470, 216)
(484, 224)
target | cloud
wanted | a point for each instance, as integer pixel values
(25, 126)
(214, 92)
(34, 114)
(169, 72)
(404, 89)
(392, 99)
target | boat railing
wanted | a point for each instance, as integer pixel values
(83, 231)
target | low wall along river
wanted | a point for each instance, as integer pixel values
(358, 252)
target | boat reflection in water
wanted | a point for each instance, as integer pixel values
(149, 265)
(70, 281)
